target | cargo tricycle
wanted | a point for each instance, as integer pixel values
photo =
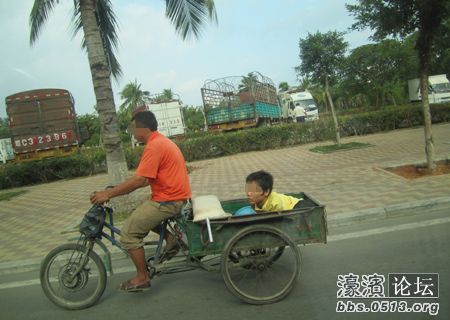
(257, 255)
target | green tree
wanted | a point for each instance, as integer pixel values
(98, 22)
(166, 96)
(133, 97)
(283, 86)
(441, 50)
(193, 118)
(374, 70)
(91, 123)
(322, 57)
(400, 18)
(4, 129)
(305, 83)
(408, 69)
(248, 82)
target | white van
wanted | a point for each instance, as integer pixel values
(291, 98)
(439, 89)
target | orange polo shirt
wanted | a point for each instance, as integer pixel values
(163, 164)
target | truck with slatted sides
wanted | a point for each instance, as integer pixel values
(233, 103)
(42, 124)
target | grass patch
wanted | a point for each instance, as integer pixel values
(344, 146)
(9, 195)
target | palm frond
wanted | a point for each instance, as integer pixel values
(38, 16)
(212, 10)
(107, 24)
(188, 16)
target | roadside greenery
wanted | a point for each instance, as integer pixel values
(4, 130)
(87, 162)
(209, 145)
(344, 146)
(6, 196)
(399, 19)
(322, 56)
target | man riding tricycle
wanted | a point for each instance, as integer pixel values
(257, 254)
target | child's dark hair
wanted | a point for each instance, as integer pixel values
(262, 178)
(145, 119)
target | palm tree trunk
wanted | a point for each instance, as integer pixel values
(330, 101)
(101, 78)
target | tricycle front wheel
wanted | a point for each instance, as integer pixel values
(260, 264)
(73, 276)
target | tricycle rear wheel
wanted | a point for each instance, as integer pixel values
(260, 264)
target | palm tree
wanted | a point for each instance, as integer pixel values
(305, 83)
(168, 94)
(133, 97)
(248, 82)
(98, 22)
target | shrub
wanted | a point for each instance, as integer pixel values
(222, 144)
(85, 163)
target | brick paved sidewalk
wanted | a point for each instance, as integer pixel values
(31, 224)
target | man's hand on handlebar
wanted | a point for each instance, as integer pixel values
(99, 197)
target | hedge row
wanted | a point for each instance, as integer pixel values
(391, 118)
(385, 119)
(92, 161)
(216, 145)
(87, 162)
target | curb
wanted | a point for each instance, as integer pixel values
(387, 212)
(334, 221)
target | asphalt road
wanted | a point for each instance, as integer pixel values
(418, 244)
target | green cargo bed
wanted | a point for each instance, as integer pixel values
(306, 225)
(242, 112)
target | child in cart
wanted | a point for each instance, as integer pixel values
(258, 189)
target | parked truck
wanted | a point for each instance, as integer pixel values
(42, 124)
(168, 113)
(439, 89)
(233, 103)
(293, 97)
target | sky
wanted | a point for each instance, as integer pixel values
(251, 35)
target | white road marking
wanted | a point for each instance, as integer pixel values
(18, 284)
(332, 238)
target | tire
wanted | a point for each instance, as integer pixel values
(84, 289)
(277, 254)
(260, 264)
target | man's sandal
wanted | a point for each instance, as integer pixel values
(127, 286)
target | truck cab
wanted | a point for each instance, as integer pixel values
(295, 97)
(438, 90)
